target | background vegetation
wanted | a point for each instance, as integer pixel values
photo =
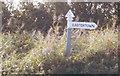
(43, 16)
(34, 39)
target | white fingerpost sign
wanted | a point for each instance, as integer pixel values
(83, 25)
(70, 25)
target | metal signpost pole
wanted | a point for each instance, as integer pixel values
(68, 44)
(69, 16)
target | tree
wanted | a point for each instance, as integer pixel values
(104, 14)
(5, 16)
(43, 16)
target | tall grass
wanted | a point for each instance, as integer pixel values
(92, 52)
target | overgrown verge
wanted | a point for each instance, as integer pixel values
(93, 52)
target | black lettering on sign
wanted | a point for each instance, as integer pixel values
(82, 25)
(89, 26)
(92, 25)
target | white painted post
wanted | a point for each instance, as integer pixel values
(69, 16)
(69, 2)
